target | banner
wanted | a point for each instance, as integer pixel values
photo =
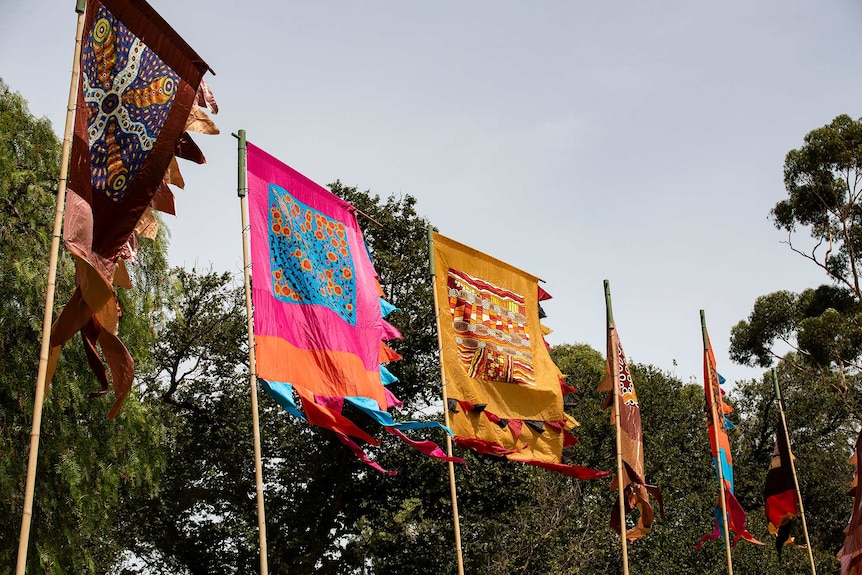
(137, 94)
(779, 492)
(318, 314)
(721, 456)
(503, 389)
(618, 380)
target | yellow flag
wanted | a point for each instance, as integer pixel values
(503, 389)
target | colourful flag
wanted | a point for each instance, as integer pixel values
(721, 456)
(618, 380)
(850, 554)
(318, 318)
(136, 98)
(779, 492)
(504, 391)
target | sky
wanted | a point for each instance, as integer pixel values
(639, 142)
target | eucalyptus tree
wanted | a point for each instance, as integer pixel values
(821, 327)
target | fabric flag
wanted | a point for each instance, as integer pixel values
(618, 380)
(850, 554)
(779, 492)
(717, 411)
(137, 96)
(318, 319)
(504, 391)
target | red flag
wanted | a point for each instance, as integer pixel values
(779, 492)
(138, 87)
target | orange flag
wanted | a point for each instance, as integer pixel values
(716, 411)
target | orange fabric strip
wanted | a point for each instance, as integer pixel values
(330, 373)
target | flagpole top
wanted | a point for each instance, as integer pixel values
(608, 307)
(775, 385)
(80, 5)
(242, 151)
(703, 330)
(431, 263)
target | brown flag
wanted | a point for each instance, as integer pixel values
(636, 492)
(137, 92)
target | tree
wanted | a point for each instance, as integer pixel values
(823, 326)
(87, 465)
(823, 179)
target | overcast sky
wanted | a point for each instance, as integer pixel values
(640, 142)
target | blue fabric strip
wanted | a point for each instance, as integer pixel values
(726, 468)
(386, 376)
(282, 393)
(386, 308)
(384, 418)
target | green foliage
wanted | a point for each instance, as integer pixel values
(822, 428)
(823, 183)
(87, 466)
(823, 325)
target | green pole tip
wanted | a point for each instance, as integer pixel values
(608, 305)
(242, 164)
(775, 385)
(80, 5)
(431, 263)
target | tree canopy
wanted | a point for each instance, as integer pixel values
(822, 326)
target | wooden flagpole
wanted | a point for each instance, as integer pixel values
(242, 192)
(41, 376)
(793, 470)
(452, 489)
(714, 415)
(615, 384)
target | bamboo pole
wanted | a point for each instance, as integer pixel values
(453, 491)
(793, 470)
(714, 415)
(41, 376)
(615, 384)
(242, 192)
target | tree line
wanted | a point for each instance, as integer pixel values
(169, 488)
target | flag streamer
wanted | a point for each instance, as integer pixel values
(779, 492)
